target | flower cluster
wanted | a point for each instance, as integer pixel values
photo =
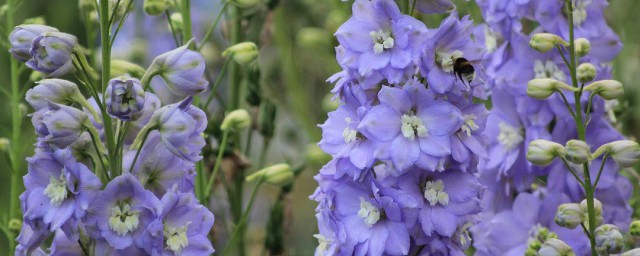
(128, 196)
(530, 97)
(406, 138)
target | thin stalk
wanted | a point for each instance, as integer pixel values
(238, 231)
(216, 167)
(105, 31)
(604, 160)
(209, 32)
(94, 140)
(186, 21)
(215, 85)
(16, 123)
(575, 174)
(200, 182)
(144, 138)
(413, 7)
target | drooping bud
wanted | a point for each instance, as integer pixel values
(626, 153)
(21, 38)
(609, 239)
(583, 47)
(542, 88)
(155, 7)
(555, 247)
(577, 151)
(569, 215)
(123, 67)
(236, 120)
(51, 53)
(4, 144)
(244, 3)
(607, 89)
(60, 125)
(586, 72)
(634, 228)
(543, 42)
(52, 90)
(277, 175)
(242, 53)
(181, 69)
(597, 205)
(542, 152)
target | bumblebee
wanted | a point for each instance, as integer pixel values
(463, 69)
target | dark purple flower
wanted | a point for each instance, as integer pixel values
(21, 38)
(124, 98)
(60, 125)
(51, 53)
(182, 70)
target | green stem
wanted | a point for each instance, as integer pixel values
(215, 85)
(209, 32)
(105, 31)
(239, 230)
(16, 123)
(217, 165)
(144, 138)
(186, 21)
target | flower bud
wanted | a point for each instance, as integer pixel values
(583, 47)
(38, 20)
(242, 53)
(35, 76)
(542, 88)
(626, 153)
(4, 144)
(267, 119)
(21, 38)
(244, 3)
(124, 98)
(59, 124)
(586, 72)
(236, 120)
(542, 152)
(155, 7)
(597, 205)
(607, 89)
(569, 215)
(51, 53)
(52, 90)
(634, 228)
(609, 239)
(543, 42)
(176, 21)
(277, 175)
(123, 67)
(15, 224)
(181, 69)
(555, 247)
(577, 151)
(329, 103)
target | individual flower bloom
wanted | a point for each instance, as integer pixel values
(51, 53)
(435, 6)
(63, 246)
(60, 125)
(52, 90)
(445, 199)
(328, 240)
(452, 40)
(382, 39)
(469, 143)
(151, 104)
(504, 15)
(180, 126)
(122, 216)
(158, 169)
(181, 69)
(124, 98)
(186, 225)
(21, 38)
(417, 126)
(30, 239)
(58, 190)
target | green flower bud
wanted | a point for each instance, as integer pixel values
(329, 103)
(543, 42)
(542, 88)
(607, 89)
(609, 239)
(577, 151)
(4, 144)
(531, 252)
(236, 120)
(244, 3)
(569, 215)
(555, 247)
(626, 153)
(39, 20)
(155, 7)
(597, 205)
(15, 224)
(176, 21)
(583, 47)
(312, 37)
(634, 228)
(242, 53)
(542, 152)
(123, 67)
(277, 175)
(35, 76)
(586, 72)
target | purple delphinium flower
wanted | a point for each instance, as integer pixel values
(21, 38)
(416, 125)
(51, 53)
(30, 239)
(124, 98)
(52, 90)
(435, 6)
(59, 125)
(122, 215)
(382, 39)
(182, 70)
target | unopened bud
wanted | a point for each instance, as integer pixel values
(277, 175)
(244, 3)
(597, 205)
(155, 7)
(555, 247)
(122, 67)
(569, 215)
(626, 153)
(4, 144)
(35, 76)
(236, 120)
(38, 20)
(609, 239)
(607, 89)
(577, 151)
(242, 53)
(543, 42)
(542, 152)
(586, 72)
(176, 21)
(15, 225)
(542, 88)
(329, 103)
(583, 47)
(634, 228)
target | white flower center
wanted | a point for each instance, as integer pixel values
(412, 126)
(548, 69)
(490, 39)
(381, 40)
(123, 220)
(469, 124)
(323, 243)
(580, 12)
(447, 60)
(434, 193)
(176, 237)
(369, 213)
(56, 190)
(509, 136)
(349, 135)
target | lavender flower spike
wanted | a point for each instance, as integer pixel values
(51, 53)
(124, 98)
(21, 38)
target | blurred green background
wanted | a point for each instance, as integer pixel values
(297, 57)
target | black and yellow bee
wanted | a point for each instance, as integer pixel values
(463, 69)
